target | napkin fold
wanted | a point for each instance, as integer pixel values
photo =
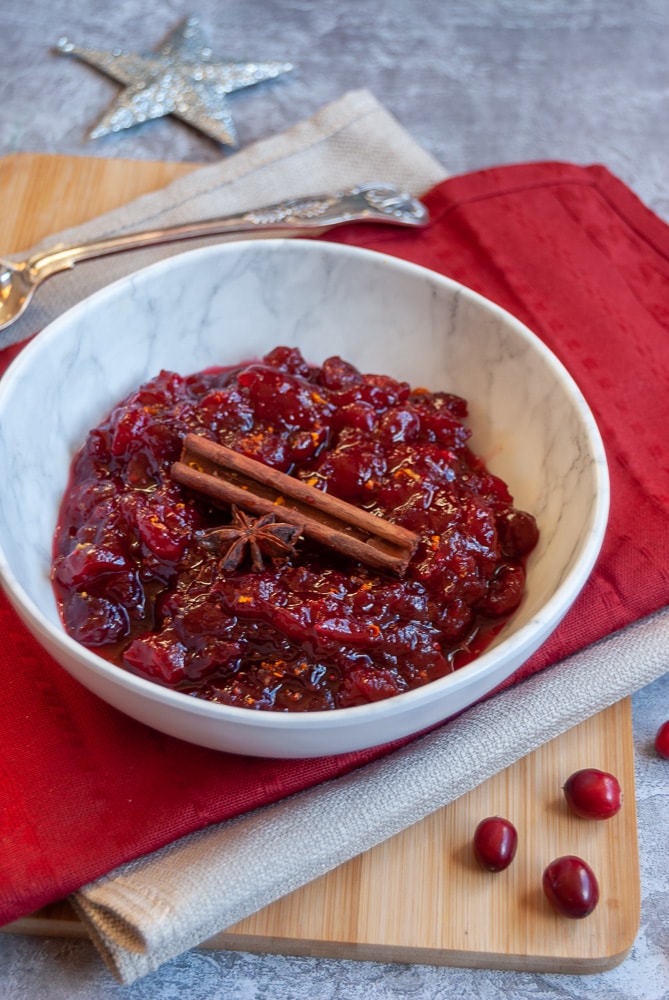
(576, 256)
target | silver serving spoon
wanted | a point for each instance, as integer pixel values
(367, 202)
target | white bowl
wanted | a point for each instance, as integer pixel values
(228, 303)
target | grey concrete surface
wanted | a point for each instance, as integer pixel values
(478, 83)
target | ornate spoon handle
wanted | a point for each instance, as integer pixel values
(369, 202)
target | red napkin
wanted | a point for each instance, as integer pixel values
(572, 253)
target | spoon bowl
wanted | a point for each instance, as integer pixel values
(16, 291)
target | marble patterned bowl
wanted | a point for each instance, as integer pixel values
(232, 302)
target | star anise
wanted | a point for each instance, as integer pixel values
(258, 537)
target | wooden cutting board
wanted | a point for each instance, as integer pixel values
(419, 897)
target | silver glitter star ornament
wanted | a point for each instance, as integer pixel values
(181, 79)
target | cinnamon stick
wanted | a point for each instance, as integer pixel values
(227, 476)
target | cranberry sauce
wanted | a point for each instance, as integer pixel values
(138, 580)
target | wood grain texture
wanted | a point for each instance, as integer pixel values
(42, 194)
(419, 897)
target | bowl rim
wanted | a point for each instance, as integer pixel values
(553, 610)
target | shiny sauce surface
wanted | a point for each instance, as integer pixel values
(139, 581)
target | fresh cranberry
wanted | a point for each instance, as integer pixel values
(570, 886)
(495, 843)
(662, 740)
(593, 794)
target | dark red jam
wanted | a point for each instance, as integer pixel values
(138, 581)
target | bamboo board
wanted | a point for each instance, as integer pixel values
(419, 897)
